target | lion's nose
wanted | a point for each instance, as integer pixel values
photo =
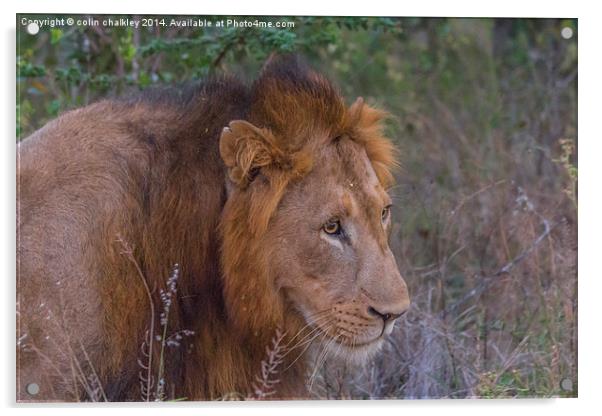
(386, 316)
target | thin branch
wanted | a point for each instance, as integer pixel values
(94, 374)
(217, 61)
(486, 281)
(127, 250)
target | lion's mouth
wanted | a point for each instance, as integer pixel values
(355, 351)
(352, 343)
(360, 345)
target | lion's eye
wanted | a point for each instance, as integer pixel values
(385, 213)
(332, 227)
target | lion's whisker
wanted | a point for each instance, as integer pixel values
(310, 333)
(321, 360)
(321, 355)
(304, 340)
(312, 336)
(311, 321)
(317, 360)
(308, 344)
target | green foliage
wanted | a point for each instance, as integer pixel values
(55, 35)
(26, 69)
(507, 384)
(77, 65)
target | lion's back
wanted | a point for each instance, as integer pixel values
(106, 171)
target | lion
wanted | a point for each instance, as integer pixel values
(266, 205)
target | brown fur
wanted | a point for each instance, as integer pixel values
(181, 178)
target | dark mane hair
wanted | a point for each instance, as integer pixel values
(291, 99)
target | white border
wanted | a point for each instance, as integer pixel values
(457, 8)
(590, 212)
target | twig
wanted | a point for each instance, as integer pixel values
(129, 254)
(486, 281)
(217, 61)
(511, 358)
(466, 199)
(94, 374)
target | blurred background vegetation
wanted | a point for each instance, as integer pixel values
(485, 115)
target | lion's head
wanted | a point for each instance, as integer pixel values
(306, 224)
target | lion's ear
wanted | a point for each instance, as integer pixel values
(355, 110)
(368, 129)
(245, 149)
(365, 117)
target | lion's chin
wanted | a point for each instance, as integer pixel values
(357, 354)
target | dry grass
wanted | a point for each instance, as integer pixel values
(480, 331)
(485, 223)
